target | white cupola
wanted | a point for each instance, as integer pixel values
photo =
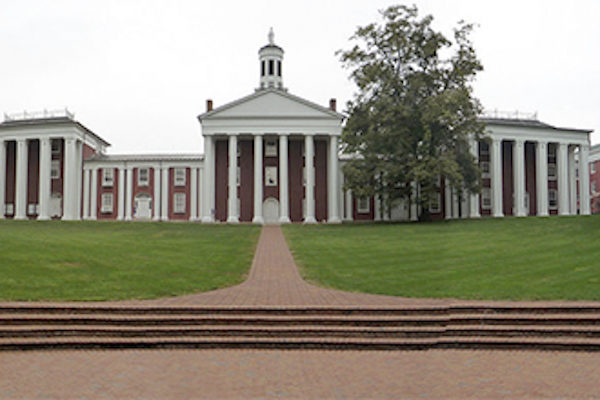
(270, 58)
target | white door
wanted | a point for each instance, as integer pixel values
(271, 211)
(55, 205)
(143, 207)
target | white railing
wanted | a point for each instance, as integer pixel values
(44, 114)
(518, 115)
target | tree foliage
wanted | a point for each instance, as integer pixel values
(413, 114)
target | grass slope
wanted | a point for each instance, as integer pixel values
(56, 260)
(509, 258)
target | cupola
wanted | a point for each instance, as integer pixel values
(270, 59)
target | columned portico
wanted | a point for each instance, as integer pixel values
(258, 179)
(309, 161)
(284, 203)
(44, 185)
(232, 209)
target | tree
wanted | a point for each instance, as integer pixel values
(414, 113)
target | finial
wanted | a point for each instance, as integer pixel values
(271, 36)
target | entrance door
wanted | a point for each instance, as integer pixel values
(55, 205)
(143, 206)
(271, 211)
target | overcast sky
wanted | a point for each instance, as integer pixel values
(139, 72)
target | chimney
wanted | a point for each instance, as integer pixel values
(332, 104)
(209, 105)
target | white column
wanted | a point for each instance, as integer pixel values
(377, 209)
(572, 181)
(284, 202)
(333, 183)
(194, 194)
(129, 195)
(474, 197)
(2, 178)
(164, 184)
(79, 160)
(455, 201)
(94, 195)
(86, 194)
(156, 199)
(349, 210)
(541, 178)
(447, 199)
(258, 179)
(44, 176)
(121, 195)
(70, 185)
(232, 211)
(584, 180)
(519, 178)
(414, 209)
(309, 154)
(496, 172)
(208, 196)
(563, 179)
(21, 180)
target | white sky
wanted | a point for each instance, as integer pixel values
(139, 72)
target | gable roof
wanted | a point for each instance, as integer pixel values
(256, 105)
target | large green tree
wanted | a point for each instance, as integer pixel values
(414, 112)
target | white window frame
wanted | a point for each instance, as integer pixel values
(143, 182)
(179, 176)
(551, 172)
(270, 172)
(270, 148)
(484, 149)
(485, 169)
(110, 172)
(486, 198)
(550, 193)
(179, 203)
(594, 187)
(363, 208)
(55, 169)
(435, 204)
(107, 203)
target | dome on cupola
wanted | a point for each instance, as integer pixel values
(270, 57)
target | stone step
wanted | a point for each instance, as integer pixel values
(549, 344)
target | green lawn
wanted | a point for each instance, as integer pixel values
(111, 260)
(510, 258)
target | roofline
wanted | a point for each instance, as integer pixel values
(543, 125)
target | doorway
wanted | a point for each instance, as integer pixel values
(271, 210)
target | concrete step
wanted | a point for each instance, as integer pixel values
(548, 344)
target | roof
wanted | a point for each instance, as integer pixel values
(262, 92)
(529, 123)
(146, 157)
(51, 121)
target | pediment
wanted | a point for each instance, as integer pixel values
(271, 104)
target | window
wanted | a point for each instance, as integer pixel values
(32, 209)
(363, 205)
(270, 176)
(485, 169)
(551, 154)
(486, 198)
(55, 169)
(278, 68)
(179, 203)
(270, 148)
(594, 187)
(552, 172)
(271, 67)
(143, 177)
(553, 199)
(179, 176)
(593, 168)
(107, 203)
(484, 149)
(262, 68)
(108, 177)
(55, 145)
(9, 209)
(434, 203)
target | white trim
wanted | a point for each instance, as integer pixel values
(179, 203)
(363, 208)
(107, 203)
(140, 181)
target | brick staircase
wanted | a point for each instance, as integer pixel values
(570, 328)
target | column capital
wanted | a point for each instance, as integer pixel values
(311, 134)
(497, 139)
(520, 142)
(284, 134)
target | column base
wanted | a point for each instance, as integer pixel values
(498, 215)
(233, 219)
(284, 220)
(208, 220)
(20, 218)
(334, 220)
(156, 219)
(475, 216)
(563, 213)
(543, 214)
(43, 218)
(521, 215)
(258, 220)
(309, 220)
(128, 219)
